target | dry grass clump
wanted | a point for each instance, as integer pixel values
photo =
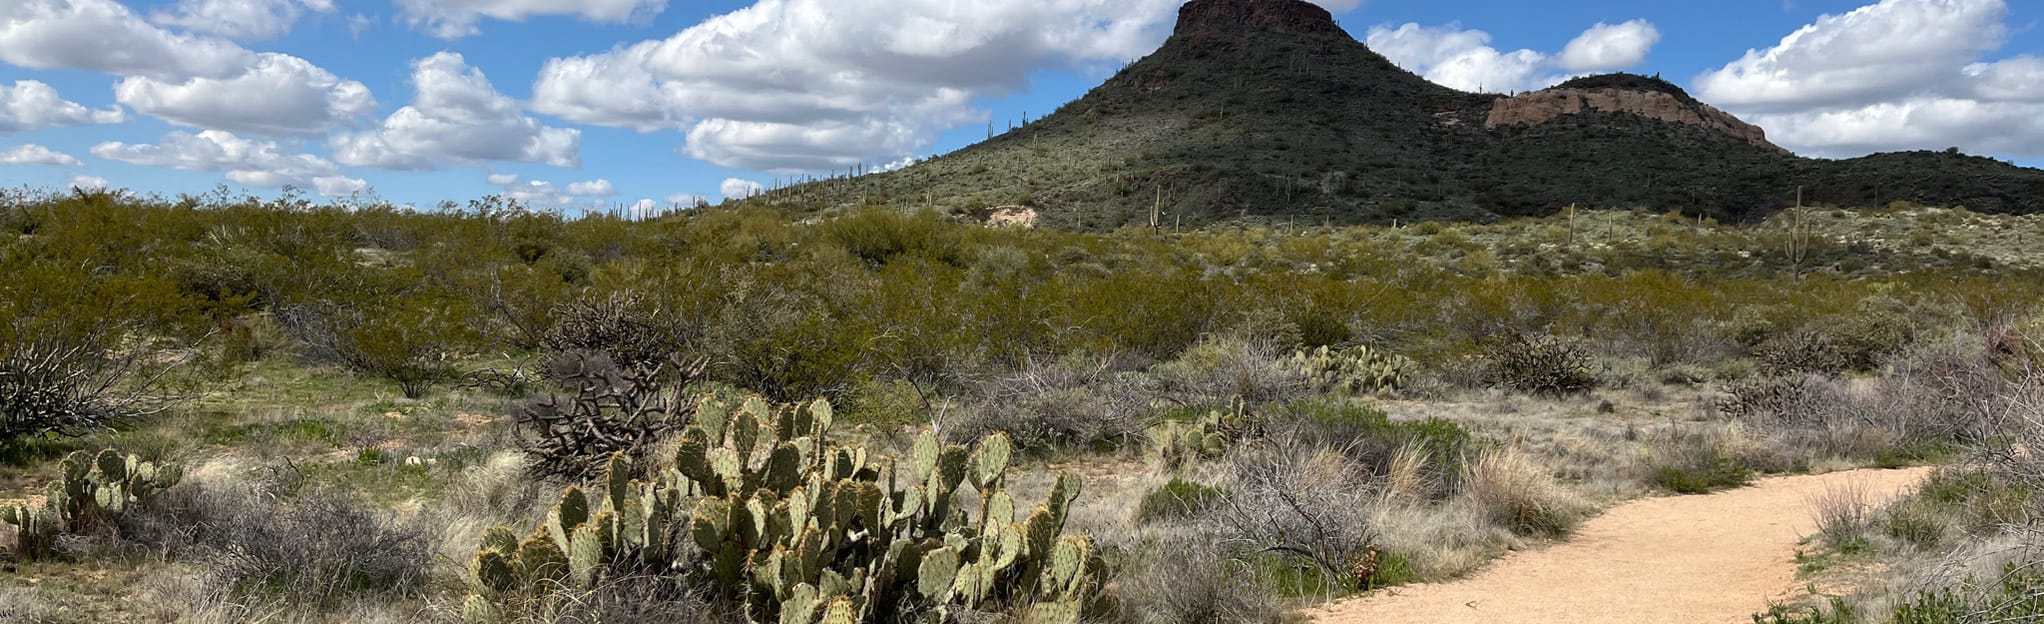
(1075, 402)
(1843, 512)
(1515, 492)
(315, 549)
(22, 604)
(1195, 579)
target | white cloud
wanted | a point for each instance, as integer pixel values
(255, 163)
(1464, 59)
(503, 179)
(32, 154)
(453, 19)
(86, 182)
(820, 84)
(246, 20)
(1460, 59)
(734, 188)
(1877, 52)
(458, 117)
(32, 105)
(687, 200)
(1898, 74)
(2019, 79)
(104, 36)
(1609, 47)
(339, 186)
(281, 94)
(592, 188)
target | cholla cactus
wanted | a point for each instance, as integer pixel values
(803, 530)
(1355, 370)
(94, 490)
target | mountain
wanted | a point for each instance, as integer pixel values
(1266, 110)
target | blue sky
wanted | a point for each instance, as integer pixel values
(578, 104)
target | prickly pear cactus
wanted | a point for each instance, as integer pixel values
(94, 490)
(1356, 370)
(801, 529)
(1175, 443)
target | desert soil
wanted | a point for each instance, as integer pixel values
(1716, 558)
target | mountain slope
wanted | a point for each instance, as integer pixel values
(1267, 110)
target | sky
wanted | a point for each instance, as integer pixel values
(646, 105)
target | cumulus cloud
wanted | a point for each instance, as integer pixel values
(1464, 58)
(32, 154)
(734, 188)
(458, 117)
(280, 94)
(32, 105)
(246, 20)
(104, 36)
(1609, 47)
(592, 188)
(339, 186)
(261, 164)
(503, 179)
(1876, 52)
(453, 19)
(1897, 74)
(811, 85)
(87, 182)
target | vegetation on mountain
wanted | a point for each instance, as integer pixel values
(1265, 111)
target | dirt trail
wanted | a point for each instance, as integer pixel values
(1689, 559)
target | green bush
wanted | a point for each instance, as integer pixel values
(1177, 500)
(1718, 473)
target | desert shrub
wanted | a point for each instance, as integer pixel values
(880, 235)
(317, 550)
(1539, 364)
(1799, 353)
(1076, 402)
(1177, 500)
(409, 342)
(1843, 513)
(1222, 368)
(615, 410)
(1192, 579)
(1366, 434)
(1697, 462)
(51, 384)
(1717, 472)
(1517, 493)
(637, 600)
(1305, 503)
(624, 327)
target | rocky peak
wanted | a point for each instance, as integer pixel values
(1622, 93)
(1230, 16)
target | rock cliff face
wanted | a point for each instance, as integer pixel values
(1544, 106)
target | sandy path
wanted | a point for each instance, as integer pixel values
(1689, 559)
